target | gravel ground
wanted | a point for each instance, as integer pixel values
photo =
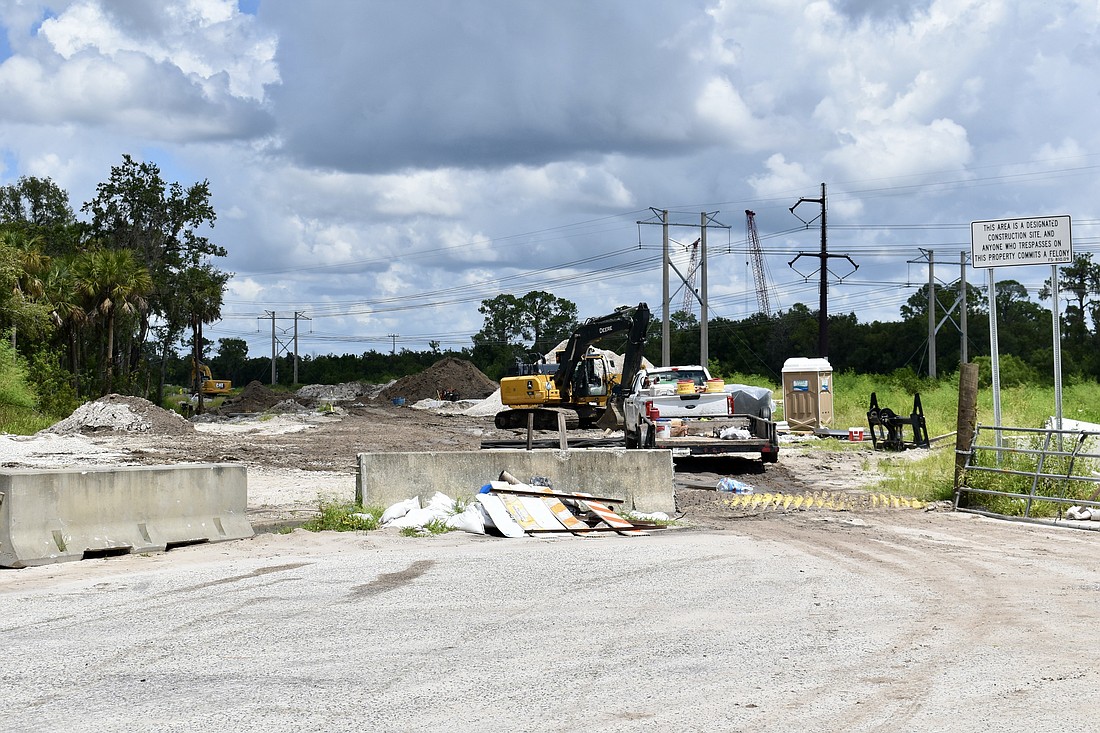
(742, 619)
(909, 621)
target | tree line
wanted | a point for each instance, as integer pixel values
(103, 305)
(116, 302)
(525, 328)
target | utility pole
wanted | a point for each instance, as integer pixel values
(704, 317)
(931, 314)
(705, 221)
(297, 315)
(666, 337)
(393, 336)
(823, 256)
(277, 345)
(273, 352)
(934, 326)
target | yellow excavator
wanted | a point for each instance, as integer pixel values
(583, 386)
(207, 384)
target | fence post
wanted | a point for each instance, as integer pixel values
(967, 420)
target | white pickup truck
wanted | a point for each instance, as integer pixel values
(684, 410)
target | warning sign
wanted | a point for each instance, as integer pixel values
(1043, 240)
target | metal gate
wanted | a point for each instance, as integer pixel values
(1038, 471)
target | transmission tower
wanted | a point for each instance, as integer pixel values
(757, 258)
(689, 281)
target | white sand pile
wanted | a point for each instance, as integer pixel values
(491, 405)
(122, 414)
(338, 392)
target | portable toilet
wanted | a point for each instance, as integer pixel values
(807, 393)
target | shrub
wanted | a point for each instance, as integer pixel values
(1013, 371)
(15, 388)
(56, 394)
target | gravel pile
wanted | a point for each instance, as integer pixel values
(338, 392)
(121, 413)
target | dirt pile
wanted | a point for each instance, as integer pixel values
(255, 397)
(461, 377)
(123, 414)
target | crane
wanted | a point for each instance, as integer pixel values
(689, 281)
(757, 257)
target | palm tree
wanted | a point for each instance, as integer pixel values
(114, 282)
(29, 266)
(203, 288)
(66, 311)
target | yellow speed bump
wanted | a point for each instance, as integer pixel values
(831, 501)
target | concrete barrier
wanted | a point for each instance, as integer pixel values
(644, 478)
(57, 515)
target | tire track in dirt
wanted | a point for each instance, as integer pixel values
(969, 594)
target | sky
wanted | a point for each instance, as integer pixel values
(381, 167)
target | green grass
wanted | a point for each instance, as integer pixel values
(931, 477)
(18, 420)
(341, 517)
(434, 527)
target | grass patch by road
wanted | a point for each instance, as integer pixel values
(344, 517)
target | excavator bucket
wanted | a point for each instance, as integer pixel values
(612, 417)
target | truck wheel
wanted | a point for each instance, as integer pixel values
(631, 440)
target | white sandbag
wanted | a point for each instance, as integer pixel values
(650, 516)
(470, 520)
(732, 433)
(400, 509)
(1083, 513)
(440, 500)
(419, 517)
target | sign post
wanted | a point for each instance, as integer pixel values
(1041, 240)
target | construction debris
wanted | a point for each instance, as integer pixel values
(509, 508)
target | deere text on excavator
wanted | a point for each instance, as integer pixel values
(583, 386)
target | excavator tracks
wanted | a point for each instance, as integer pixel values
(545, 418)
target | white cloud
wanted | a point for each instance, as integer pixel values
(357, 150)
(893, 151)
(199, 72)
(203, 39)
(721, 107)
(782, 177)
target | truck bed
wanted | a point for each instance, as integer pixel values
(700, 438)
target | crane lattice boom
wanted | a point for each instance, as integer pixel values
(757, 258)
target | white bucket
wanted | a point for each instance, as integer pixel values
(664, 429)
